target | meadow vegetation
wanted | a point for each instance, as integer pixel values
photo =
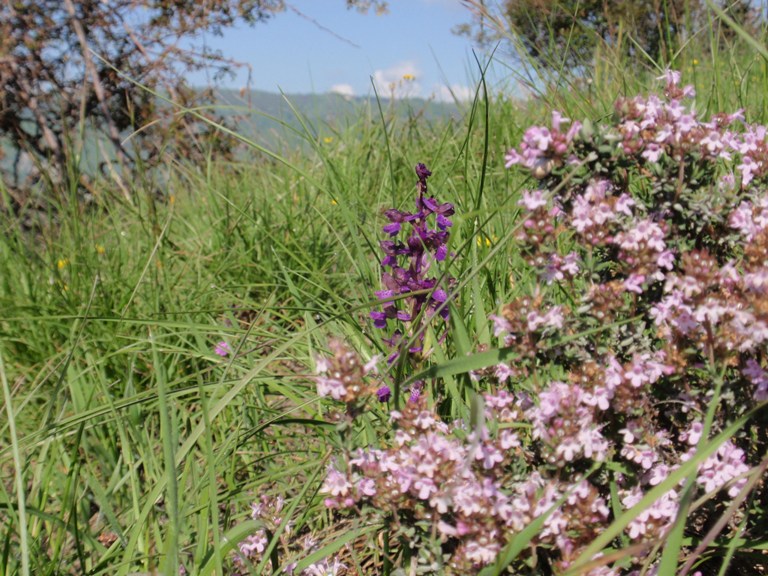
(532, 341)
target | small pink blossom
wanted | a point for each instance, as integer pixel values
(759, 378)
(533, 200)
(670, 76)
(693, 434)
(652, 152)
(336, 483)
(634, 283)
(254, 544)
(222, 348)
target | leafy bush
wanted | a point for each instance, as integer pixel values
(563, 35)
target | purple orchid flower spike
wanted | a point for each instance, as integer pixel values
(406, 266)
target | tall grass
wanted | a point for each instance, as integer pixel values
(109, 323)
(130, 446)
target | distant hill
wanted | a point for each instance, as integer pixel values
(264, 116)
(272, 120)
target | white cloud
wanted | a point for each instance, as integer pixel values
(453, 93)
(398, 81)
(343, 90)
(446, 3)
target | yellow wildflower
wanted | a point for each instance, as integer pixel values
(328, 139)
(62, 263)
(409, 77)
(487, 240)
(100, 250)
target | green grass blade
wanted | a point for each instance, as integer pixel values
(169, 442)
(18, 467)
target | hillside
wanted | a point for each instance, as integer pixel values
(274, 120)
(268, 118)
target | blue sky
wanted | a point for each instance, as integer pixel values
(410, 50)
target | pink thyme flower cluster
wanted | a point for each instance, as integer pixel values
(343, 376)
(268, 513)
(601, 217)
(526, 322)
(564, 423)
(725, 468)
(653, 128)
(723, 308)
(682, 158)
(758, 377)
(719, 306)
(456, 481)
(670, 257)
(635, 246)
(543, 149)
(653, 521)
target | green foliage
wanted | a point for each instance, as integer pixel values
(562, 36)
(127, 441)
(109, 321)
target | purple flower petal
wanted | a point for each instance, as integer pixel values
(445, 209)
(395, 215)
(416, 388)
(379, 319)
(439, 296)
(431, 204)
(422, 172)
(443, 222)
(392, 229)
